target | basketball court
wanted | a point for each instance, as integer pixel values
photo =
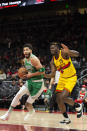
(42, 121)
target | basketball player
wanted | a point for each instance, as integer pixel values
(61, 61)
(34, 83)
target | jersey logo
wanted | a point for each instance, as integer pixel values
(29, 67)
(60, 65)
(64, 67)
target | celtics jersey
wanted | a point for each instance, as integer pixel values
(65, 66)
(28, 65)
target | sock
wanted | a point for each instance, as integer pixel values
(10, 109)
(65, 115)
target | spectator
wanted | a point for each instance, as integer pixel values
(2, 75)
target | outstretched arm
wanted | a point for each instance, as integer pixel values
(67, 52)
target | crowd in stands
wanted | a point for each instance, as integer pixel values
(70, 29)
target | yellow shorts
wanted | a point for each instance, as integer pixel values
(66, 83)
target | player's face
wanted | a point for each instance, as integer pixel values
(27, 52)
(53, 49)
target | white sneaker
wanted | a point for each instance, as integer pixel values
(29, 114)
(5, 117)
(79, 111)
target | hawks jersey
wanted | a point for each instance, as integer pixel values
(65, 66)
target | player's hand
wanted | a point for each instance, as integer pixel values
(65, 48)
(29, 75)
(45, 75)
(26, 76)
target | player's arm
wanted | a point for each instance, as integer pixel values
(53, 70)
(51, 83)
(40, 69)
(66, 52)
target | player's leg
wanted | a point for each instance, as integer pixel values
(31, 99)
(75, 105)
(29, 107)
(52, 102)
(70, 84)
(61, 104)
(60, 95)
(37, 89)
(15, 102)
(23, 100)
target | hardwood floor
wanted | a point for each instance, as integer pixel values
(44, 121)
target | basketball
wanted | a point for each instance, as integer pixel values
(22, 71)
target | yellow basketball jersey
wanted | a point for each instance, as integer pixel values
(65, 66)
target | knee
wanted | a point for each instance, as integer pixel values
(60, 99)
(26, 104)
(18, 95)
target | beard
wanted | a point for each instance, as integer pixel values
(54, 53)
(27, 55)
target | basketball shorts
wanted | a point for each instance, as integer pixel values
(66, 83)
(34, 86)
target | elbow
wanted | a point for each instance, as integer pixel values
(74, 53)
(77, 54)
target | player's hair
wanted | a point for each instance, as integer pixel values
(57, 44)
(28, 45)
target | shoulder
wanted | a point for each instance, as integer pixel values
(34, 59)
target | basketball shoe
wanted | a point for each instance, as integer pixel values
(5, 117)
